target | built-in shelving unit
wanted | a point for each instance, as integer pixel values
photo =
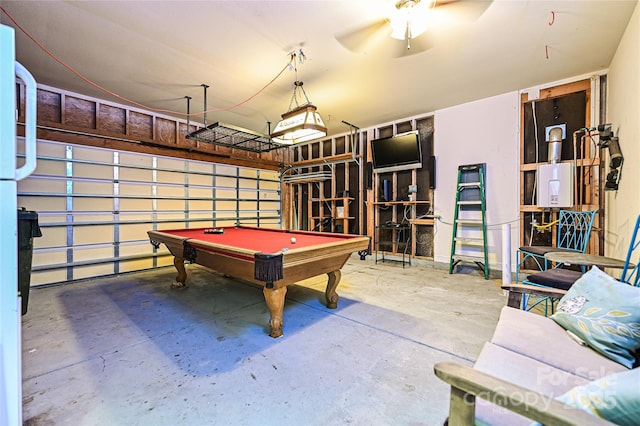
(410, 199)
(333, 214)
(347, 197)
(332, 203)
(409, 214)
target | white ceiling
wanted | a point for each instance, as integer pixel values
(158, 52)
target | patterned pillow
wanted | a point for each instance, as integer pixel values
(605, 314)
(615, 398)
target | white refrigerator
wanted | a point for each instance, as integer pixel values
(10, 173)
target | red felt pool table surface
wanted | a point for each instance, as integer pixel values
(264, 256)
(263, 240)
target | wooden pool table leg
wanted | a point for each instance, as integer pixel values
(275, 303)
(181, 278)
(330, 292)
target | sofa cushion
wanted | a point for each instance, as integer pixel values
(540, 338)
(605, 314)
(523, 371)
(556, 278)
(614, 398)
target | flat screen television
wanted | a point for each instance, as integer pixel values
(399, 152)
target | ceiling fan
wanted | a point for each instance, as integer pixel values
(407, 20)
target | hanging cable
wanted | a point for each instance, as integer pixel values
(294, 59)
(535, 176)
(122, 98)
(542, 228)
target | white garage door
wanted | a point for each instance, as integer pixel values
(96, 205)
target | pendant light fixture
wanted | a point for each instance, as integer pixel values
(302, 122)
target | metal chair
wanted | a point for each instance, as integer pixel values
(574, 230)
(630, 272)
(563, 279)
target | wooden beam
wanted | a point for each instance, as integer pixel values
(320, 161)
(77, 119)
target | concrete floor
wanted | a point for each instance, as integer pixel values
(128, 350)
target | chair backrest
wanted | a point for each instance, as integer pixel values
(630, 272)
(574, 229)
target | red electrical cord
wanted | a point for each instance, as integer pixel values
(99, 87)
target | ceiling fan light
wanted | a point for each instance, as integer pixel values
(410, 19)
(399, 23)
(419, 23)
(399, 32)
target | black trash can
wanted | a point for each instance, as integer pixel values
(28, 228)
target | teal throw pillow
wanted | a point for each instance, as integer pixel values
(615, 398)
(605, 314)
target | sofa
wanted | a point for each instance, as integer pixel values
(533, 365)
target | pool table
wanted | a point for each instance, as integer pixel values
(269, 257)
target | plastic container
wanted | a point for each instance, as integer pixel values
(28, 228)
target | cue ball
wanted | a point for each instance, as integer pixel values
(293, 240)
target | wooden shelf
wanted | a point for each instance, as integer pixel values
(401, 202)
(331, 199)
(335, 209)
(422, 221)
(581, 162)
(323, 160)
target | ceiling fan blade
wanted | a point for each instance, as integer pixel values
(459, 12)
(448, 19)
(365, 38)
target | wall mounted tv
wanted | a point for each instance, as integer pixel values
(399, 152)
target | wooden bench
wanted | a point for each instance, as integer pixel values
(519, 372)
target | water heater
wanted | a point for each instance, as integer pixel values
(555, 185)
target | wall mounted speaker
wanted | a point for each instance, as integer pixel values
(386, 190)
(615, 154)
(431, 165)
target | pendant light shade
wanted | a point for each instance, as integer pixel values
(300, 124)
